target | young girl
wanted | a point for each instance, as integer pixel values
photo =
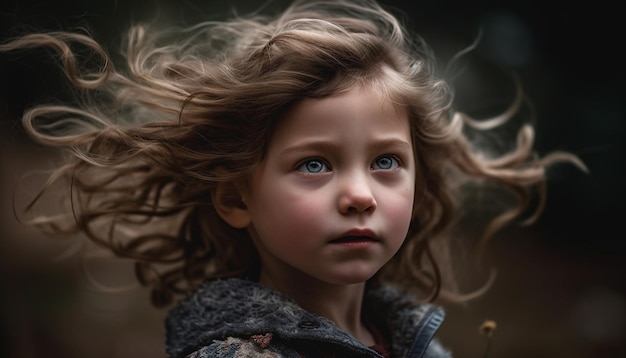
(289, 177)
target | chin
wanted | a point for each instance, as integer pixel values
(351, 278)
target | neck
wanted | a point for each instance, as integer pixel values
(340, 303)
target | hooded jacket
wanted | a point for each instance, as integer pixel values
(240, 318)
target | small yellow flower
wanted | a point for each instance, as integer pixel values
(488, 327)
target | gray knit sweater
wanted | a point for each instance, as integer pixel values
(239, 318)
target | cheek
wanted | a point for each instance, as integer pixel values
(282, 216)
(397, 212)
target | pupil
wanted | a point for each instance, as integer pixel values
(314, 166)
(384, 162)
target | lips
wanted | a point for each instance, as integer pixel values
(356, 235)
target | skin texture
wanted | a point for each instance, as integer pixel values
(332, 202)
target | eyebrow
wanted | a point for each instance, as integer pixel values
(392, 143)
(321, 145)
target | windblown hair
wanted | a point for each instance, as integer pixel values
(196, 107)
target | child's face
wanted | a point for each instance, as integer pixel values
(333, 200)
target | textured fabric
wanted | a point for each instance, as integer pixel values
(239, 318)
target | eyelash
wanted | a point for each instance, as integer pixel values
(301, 167)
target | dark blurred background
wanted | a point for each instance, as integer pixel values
(560, 289)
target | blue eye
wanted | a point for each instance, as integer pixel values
(313, 166)
(385, 162)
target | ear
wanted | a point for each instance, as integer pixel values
(229, 204)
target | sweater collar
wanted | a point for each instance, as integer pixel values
(240, 308)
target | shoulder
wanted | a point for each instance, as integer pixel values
(255, 346)
(232, 317)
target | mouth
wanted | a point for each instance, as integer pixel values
(353, 239)
(356, 236)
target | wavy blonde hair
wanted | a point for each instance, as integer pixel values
(195, 107)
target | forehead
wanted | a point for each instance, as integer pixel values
(360, 111)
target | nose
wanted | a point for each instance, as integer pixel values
(356, 196)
